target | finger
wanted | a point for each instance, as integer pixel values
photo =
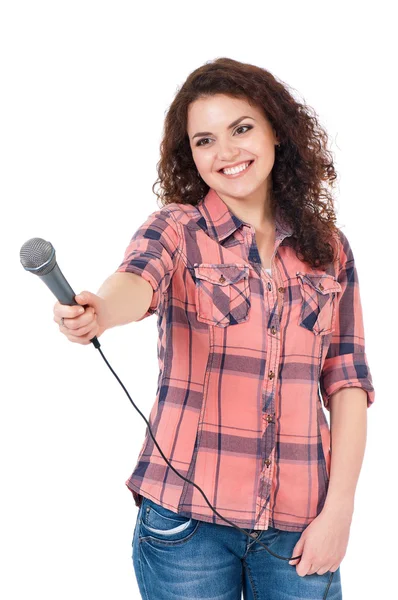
(322, 571)
(81, 340)
(304, 568)
(80, 331)
(334, 568)
(311, 570)
(63, 310)
(78, 322)
(296, 552)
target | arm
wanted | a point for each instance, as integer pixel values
(324, 542)
(127, 298)
(347, 392)
(346, 386)
(137, 288)
(348, 425)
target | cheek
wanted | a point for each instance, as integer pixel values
(263, 147)
(203, 161)
(265, 153)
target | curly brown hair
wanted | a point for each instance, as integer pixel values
(302, 162)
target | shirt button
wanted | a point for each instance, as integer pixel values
(281, 290)
(271, 375)
(273, 330)
(269, 418)
(320, 286)
(269, 286)
(267, 462)
(222, 279)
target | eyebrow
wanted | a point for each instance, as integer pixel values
(229, 127)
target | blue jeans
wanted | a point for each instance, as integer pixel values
(177, 557)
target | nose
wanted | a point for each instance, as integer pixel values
(227, 151)
(228, 155)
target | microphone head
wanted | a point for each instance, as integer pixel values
(37, 256)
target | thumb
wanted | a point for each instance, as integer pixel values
(297, 551)
(86, 298)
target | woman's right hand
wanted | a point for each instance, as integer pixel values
(82, 327)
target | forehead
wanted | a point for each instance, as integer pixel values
(219, 110)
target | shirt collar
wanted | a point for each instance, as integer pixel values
(222, 222)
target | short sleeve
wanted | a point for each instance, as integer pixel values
(152, 254)
(346, 363)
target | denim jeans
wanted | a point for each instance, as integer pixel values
(178, 557)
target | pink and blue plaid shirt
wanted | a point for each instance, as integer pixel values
(245, 359)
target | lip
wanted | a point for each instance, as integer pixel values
(241, 173)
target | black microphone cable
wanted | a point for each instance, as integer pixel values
(38, 257)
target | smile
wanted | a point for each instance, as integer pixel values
(237, 171)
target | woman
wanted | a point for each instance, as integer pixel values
(259, 319)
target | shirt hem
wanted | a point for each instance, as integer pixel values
(139, 494)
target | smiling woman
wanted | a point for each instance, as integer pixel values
(246, 354)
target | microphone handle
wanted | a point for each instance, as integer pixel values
(56, 282)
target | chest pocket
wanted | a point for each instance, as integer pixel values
(222, 293)
(319, 301)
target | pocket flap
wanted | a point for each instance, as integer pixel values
(223, 274)
(322, 283)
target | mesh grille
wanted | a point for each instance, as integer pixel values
(38, 256)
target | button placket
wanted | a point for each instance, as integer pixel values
(272, 359)
(274, 296)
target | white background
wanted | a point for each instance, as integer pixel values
(85, 87)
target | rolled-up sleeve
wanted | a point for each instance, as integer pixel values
(346, 363)
(153, 254)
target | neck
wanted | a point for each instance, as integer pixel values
(253, 209)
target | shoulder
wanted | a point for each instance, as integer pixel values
(169, 221)
(175, 210)
(344, 250)
(178, 215)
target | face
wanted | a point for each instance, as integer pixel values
(225, 138)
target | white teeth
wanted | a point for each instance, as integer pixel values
(236, 169)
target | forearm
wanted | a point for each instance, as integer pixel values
(348, 425)
(127, 297)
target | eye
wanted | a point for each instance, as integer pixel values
(248, 127)
(200, 142)
(243, 127)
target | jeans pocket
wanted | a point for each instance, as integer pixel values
(319, 300)
(163, 525)
(222, 293)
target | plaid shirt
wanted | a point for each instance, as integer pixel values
(245, 359)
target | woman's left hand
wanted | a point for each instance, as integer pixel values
(323, 543)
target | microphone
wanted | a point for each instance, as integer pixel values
(38, 257)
